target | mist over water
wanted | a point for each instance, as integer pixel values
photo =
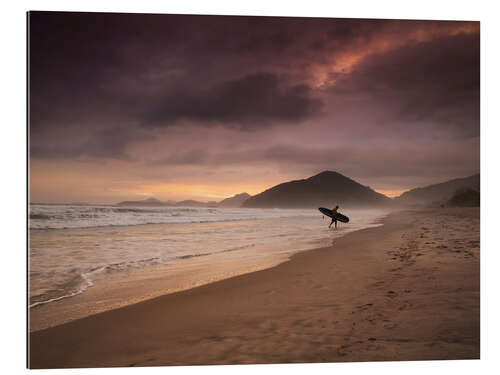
(73, 246)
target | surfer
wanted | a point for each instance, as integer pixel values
(334, 213)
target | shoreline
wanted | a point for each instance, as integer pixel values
(346, 302)
(108, 291)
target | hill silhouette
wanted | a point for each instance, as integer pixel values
(324, 189)
(234, 201)
(439, 192)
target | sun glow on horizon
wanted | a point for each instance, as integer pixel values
(391, 193)
(192, 191)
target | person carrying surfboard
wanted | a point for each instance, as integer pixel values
(334, 213)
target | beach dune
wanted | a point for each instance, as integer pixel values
(407, 290)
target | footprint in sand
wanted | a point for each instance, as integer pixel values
(364, 307)
(405, 305)
(378, 284)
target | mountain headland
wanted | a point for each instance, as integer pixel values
(439, 193)
(326, 188)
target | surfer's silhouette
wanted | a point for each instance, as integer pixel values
(334, 213)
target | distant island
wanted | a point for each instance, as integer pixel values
(234, 201)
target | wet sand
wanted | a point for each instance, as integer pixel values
(408, 290)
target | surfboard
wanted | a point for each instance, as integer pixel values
(339, 217)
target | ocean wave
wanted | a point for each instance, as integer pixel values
(193, 256)
(106, 225)
(80, 282)
(237, 248)
(123, 266)
(74, 286)
(188, 256)
(88, 221)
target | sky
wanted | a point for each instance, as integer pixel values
(131, 106)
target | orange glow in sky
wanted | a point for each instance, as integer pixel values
(202, 192)
(391, 193)
(346, 62)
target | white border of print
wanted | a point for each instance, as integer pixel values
(13, 158)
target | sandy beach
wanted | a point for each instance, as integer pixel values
(407, 290)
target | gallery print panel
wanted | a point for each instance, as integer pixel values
(251, 190)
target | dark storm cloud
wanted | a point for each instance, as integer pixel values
(435, 82)
(111, 68)
(254, 100)
(108, 142)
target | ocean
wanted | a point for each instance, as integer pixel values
(71, 247)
